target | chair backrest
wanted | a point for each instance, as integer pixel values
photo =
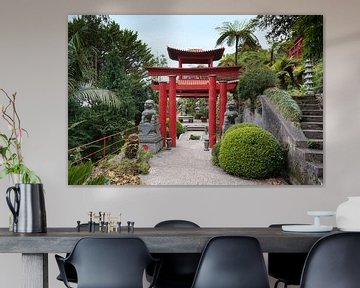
(110, 262)
(333, 262)
(178, 270)
(176, 224)
(286, 266)
(232, 262)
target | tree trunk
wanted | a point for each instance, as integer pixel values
(236, 49)
(292, 78)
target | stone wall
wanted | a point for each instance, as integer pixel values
(294, 141)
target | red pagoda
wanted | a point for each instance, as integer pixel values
(195, 82)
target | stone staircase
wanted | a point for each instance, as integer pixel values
(312, 127)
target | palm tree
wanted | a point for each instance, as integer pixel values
(283, 66)
(237, 33)
(80, 83)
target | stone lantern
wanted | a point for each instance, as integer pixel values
(308, 77)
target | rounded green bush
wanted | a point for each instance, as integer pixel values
(240, 125)
(251, 152)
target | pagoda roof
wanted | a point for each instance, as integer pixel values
(226, 72)
(195, 56)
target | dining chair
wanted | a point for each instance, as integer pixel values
(285, 267)
(108, 263)
(232, 262)
(178, 269)
(69, 269)
(333, 262)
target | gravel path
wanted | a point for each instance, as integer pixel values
(189, 164)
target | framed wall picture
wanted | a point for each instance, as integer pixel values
(195, 100)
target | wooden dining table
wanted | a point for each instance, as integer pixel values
(35, 247)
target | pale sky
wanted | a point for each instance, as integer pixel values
(180, 31)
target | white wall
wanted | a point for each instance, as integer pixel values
(33, 62)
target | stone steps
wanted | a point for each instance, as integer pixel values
(306, 100)
(313, 134)
(317, 168)
(195, 127)
(312, 118)
(309, 106)
(315, 144)
(311, 125)
(313, 155)
(312, 112)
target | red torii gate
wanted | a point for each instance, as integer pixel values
(213, 80)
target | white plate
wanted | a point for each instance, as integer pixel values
(306, 228)
(321, 213)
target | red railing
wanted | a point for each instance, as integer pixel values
(295, 50)
(105, 145)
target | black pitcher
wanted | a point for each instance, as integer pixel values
(28, 207)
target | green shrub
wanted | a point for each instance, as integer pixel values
(318, 76)
(78, 174)
(287, 106)
(180, 129)
(98, 180)
(254, 82)
(251, 152)
(240, 125)
(215, 154)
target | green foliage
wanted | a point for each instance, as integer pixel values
(239, 126)
(98, 180)
(277, 27)
(254, 58)
(254, 82)
(215, 151)
(180, 129)
(318, 76)
(143, 155)
(287, 106)
(12, 160)
(191, 104)
(285, 27)
(107, 79)
(120, 170)
(128, 167)
(311, 28)
(239, 34)
(284, 67)
(251, 152)
(132, 167)
(78, 174)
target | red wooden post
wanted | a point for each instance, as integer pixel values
(162, 109)
(172, 109)
(212, 110)
(223, 100)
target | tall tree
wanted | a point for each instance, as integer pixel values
(280, 28)
(238, 33)
(80, 82)
(105, 59)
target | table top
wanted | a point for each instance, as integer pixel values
(158, 240)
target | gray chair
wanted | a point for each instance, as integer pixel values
(178, 269)
(333, 262)
(108, 263)
(232, 262)
(286, 267)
